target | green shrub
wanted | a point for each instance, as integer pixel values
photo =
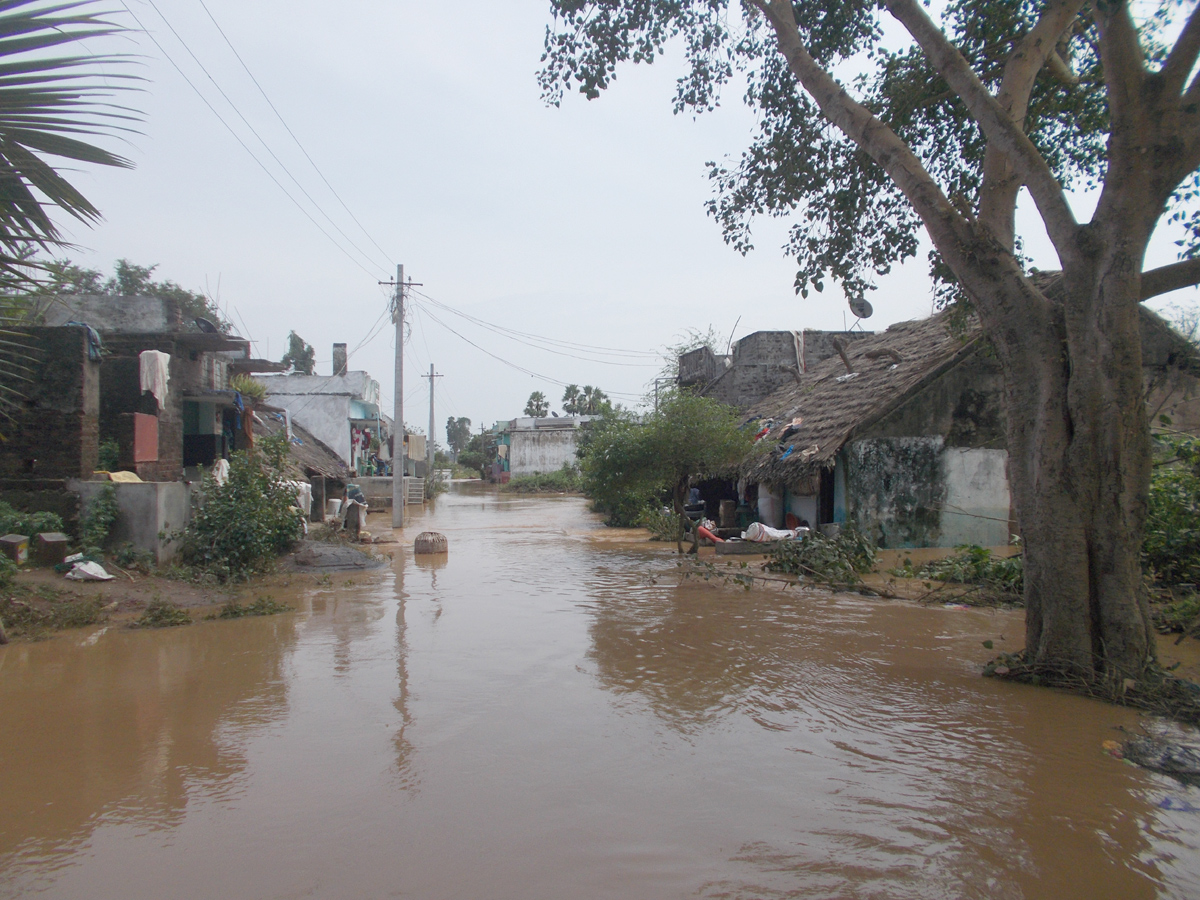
(13, 521)
(473, 460)
(98, 520)
(110, 456)
(837, 561)
(972, 564)
(662, 524)
(565, 480)
(8, 570)
(1179, 615)
(1171, 550)
(127, 556)
(238, 528)
(250, 388)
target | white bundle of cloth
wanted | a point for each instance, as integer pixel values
(762, 534)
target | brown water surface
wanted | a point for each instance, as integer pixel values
(551, 713)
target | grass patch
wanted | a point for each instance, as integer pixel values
(565, 481)
(263, 606)
(162, 614)
(1180, 615)
(127, 556)
(35, 619)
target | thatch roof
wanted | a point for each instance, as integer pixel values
(888, 368)
(310, 456)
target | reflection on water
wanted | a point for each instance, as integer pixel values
(532, 716)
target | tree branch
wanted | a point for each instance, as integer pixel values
(1124, 64)
(1169, 278)
(1183, 56)
(997, 125)
(998, 192)
(945, 225)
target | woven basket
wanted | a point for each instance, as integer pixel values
(431, 542)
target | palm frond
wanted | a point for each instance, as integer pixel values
(53, 104)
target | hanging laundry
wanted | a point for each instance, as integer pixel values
(154, 373)
(95, 346)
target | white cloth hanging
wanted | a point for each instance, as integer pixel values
(154, 373)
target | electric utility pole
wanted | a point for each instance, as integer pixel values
(398, 406)
(429, 440)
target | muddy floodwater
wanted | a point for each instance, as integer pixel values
(550, 713)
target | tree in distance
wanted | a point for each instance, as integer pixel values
(590, 401)
(989, 100)
(537, 405)
(63, 277)
(458, 434)
(301, 358)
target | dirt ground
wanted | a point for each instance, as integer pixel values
(126, 596)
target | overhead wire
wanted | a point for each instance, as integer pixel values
(288, 128)
(261, 140)
(525, 337)
(238, 138)
(513, 365)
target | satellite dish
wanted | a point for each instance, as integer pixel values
(206, 326)
(861, 308)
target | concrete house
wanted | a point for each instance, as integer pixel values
(759, 364)
(906, 439)
(85, 386)
(534, 446)
(341, 409)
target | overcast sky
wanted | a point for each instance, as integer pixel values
(583, 224)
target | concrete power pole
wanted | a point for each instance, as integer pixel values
(398, 407)
(429, 440)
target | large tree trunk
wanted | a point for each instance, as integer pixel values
(1079, 463)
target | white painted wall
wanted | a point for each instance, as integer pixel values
(541, 451)
(326, 417)
(803, 507)
(977, 498)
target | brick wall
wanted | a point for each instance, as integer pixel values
(54, 431)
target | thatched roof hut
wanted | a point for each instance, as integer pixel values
(886, 370)
(833, 403)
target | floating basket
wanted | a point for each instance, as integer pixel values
(431, 542)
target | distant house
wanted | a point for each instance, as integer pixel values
(908, 442)
(759, 364)
(534, 446)
(342, 410)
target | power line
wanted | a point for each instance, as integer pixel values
(238, 138)
(293, 134)
(513, 365)
(514, 334)
(254, 131)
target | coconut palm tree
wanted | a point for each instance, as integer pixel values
(55, 98)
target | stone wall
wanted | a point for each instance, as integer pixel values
(765, 361)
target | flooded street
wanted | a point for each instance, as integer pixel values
(550, 713)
